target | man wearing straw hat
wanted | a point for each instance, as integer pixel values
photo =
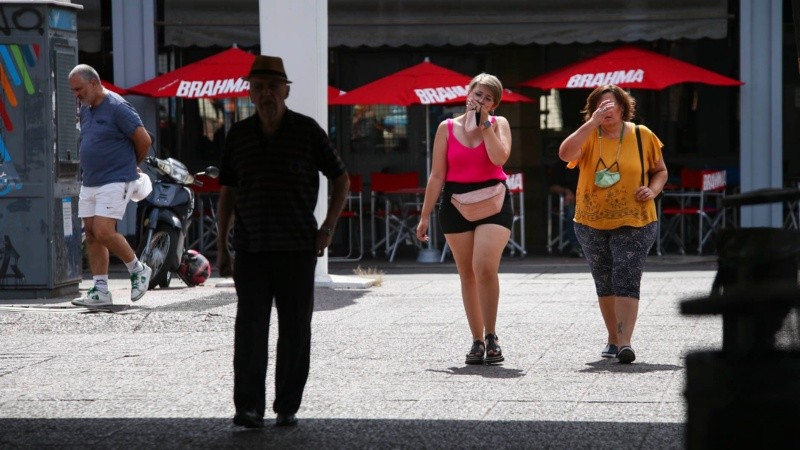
(270, 181)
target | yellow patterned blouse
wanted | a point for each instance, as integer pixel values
(616, 206)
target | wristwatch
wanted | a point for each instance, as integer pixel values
(326, 230)
(487, 124)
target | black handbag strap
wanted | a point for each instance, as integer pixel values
(641, 156)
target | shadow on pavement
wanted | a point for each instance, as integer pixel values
(334, 299)
(611, 365)
(218, 433)
(491, 371)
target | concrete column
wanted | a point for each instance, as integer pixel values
(134, 45)
(297, 31)
(134, 36)
(761, 156)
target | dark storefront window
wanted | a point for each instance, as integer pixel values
(378, 128)
(202, 125)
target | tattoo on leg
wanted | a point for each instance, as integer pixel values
(619, 327)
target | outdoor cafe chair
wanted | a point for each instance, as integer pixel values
(693, 211)
(353, 215)
(386, 206)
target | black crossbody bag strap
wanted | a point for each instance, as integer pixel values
(641, 156)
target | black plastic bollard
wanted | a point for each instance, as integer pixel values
(747, 403)
(748, 394)
(761, 260)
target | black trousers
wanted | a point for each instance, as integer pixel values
(288, 278)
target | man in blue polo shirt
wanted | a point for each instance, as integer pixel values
(113, 142)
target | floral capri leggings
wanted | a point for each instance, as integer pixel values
(616, 257)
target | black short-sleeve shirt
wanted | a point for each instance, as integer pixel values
(276, 180)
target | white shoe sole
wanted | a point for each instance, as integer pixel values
(79, 302)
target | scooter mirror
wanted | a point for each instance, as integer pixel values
(211, 172)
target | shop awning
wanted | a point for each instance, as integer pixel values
(394, 23)
(374, 23)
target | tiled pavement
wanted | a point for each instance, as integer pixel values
(387, 366)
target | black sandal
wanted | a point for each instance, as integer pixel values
(493, 353)
(475, 355)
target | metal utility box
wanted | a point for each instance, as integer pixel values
(40, 233)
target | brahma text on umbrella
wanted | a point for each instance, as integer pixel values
(591, 80)
(443, 94)
(211, 88)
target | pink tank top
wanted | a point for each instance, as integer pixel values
(469, 165)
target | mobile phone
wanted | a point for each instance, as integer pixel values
(477, 117)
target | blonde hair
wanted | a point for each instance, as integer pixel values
(491, 82)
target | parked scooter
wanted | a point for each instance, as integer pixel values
(165, 216)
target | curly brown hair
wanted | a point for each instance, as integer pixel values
(625, 100)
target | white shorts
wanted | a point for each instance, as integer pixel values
(108, 200)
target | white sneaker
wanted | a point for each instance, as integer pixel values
(140, 281)
(94, 298)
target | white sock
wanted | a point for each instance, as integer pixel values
(101, 282)
(134, 265)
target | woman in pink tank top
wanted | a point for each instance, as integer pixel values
(468, 154)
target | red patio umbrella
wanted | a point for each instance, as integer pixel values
(218, 76)
(334, 93)
(631, 68)
(509, 96)
(421, 84)
(114, 88)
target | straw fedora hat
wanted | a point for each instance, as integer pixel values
(267, 66)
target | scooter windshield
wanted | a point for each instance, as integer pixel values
(175, 170)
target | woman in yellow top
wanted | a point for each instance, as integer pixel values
(615, 212)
